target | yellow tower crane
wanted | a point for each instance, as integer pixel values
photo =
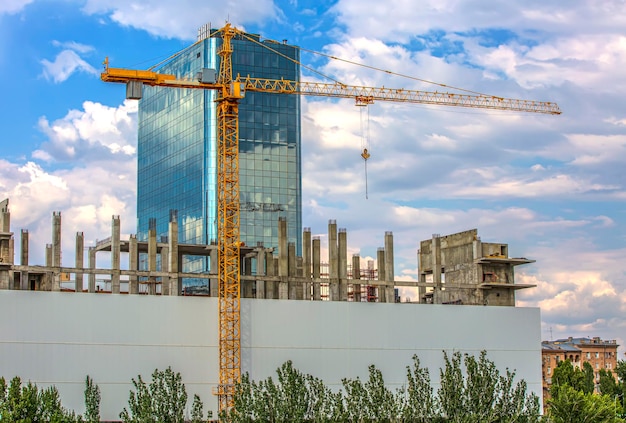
(229, 91)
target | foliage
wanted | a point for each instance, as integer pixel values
(196, 410)
(419, 405)
(27, 403)
(480, 393)
(92, 401)
(471, 390)
(566, 374)
(607, 384)
(574, 406)
(163, 400)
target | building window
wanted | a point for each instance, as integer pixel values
(597, 365)
(549, 370)
(597, 355)
(588, 354)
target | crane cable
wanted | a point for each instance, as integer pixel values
(365, 139)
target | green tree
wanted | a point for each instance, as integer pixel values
(574, 406)
(26, 403)
(607, 384)
(566, 374)
(479, 393)
(197, 412)
(588, 382)
(419, 405)
(163, 400)
(92, 401)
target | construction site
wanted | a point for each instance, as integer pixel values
(255, 306)
(457, 269)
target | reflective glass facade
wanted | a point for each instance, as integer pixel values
(176, 150)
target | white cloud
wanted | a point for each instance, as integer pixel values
(101, 141)
(182, 19)
(64, 65)
(86, 134)
(13, 6)
(73, 45)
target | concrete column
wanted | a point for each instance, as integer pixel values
(56, 239)
(316, 269)
(5, 216)
(11, 273)
(343, 264)
(172, 240)
(380, 259)
(246, 287)
(213, 282)
(115, 255)
(270, 286)
(91, 279)
(133, 260)
(165, 266)
(306, 263)
(421, 290)
(25, 284)
(389, 271)
(56, 251)
(152, 252)
(294, 292)
(436, 261)
(283, 260)
(356, 275)
(260, 271)
(80, 258)
(333, 261)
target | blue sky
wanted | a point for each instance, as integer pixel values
(552, 187)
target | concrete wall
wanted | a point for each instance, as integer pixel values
(59, 338)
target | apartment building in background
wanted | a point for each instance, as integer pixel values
(599, 353)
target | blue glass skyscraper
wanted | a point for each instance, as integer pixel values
(177, 149)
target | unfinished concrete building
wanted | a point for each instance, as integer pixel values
(453, 269)
(464, 270)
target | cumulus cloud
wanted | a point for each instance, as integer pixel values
(13, 6)
(64, 65)
(97, 132)
(182, 19)
(101, 141)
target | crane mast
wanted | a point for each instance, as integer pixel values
(229, 92)
(228, 224)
